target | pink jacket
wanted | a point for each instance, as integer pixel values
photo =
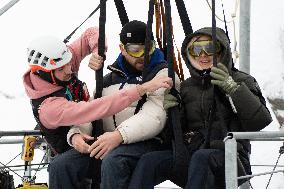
(58, 111)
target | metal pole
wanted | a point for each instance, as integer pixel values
(20, 133)
(8, 6)
(256, 135)
(244, 35)
(231, 167)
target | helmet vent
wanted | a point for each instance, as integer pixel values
(31, 55)
(44, 61)
(37, 58)
(57, 59)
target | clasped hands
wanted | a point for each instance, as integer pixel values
(101, 147)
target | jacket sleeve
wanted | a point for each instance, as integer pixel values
(86, 44)
(81, 129)
(57, 111)
(251, 106)
(150, 120)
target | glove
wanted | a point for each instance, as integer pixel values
(221, 78)
(169, 100)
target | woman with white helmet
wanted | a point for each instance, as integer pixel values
(59, 99)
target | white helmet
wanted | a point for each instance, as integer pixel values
(48, 53)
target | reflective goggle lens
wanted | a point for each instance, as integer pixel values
(137, 50)
(207, 46)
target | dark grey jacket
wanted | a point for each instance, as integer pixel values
(197, 98)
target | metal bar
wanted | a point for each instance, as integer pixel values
(256, 135)
(11, 166)
(266, 165)
(259, 174)
(8, 6)
(267, 139)
(20, 133)
(231, 168)
(32, 169)
(230, 163)
(12, 141)
(244, 36)
(20, 141)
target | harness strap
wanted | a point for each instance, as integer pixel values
(187, 28)
(180, 154)
(158, 24)
(212, 110)
(148, 40)
(94, 168)
(121, 12)
(98, 129)
(160, 30)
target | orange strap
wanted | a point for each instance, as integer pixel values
(160, 33)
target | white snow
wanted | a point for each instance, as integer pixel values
(29, 19)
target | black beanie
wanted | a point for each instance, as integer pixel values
(134, 32)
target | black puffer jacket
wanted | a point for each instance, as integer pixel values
(197, 98)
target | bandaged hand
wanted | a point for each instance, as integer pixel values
(221, 78)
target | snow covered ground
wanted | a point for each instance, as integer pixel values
(28, 19)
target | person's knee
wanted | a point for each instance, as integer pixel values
(201, 155)
(146, 160)
(56, 165)
(109, 163)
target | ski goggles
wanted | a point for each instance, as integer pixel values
(207, 47)
(137, 49)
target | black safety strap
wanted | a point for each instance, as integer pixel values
(212, 110)
(214, 38)
(94, 164)
(181, 155)
(187, 28)
(121, 12)
(148, 40)
(146, 50)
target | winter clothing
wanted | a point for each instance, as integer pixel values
(222, 79)
(56, 108)
(132, 127)
(152, 168)
(246, 112)
(118, 165)
(139, 137)
(133, 32)
(63, 170)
